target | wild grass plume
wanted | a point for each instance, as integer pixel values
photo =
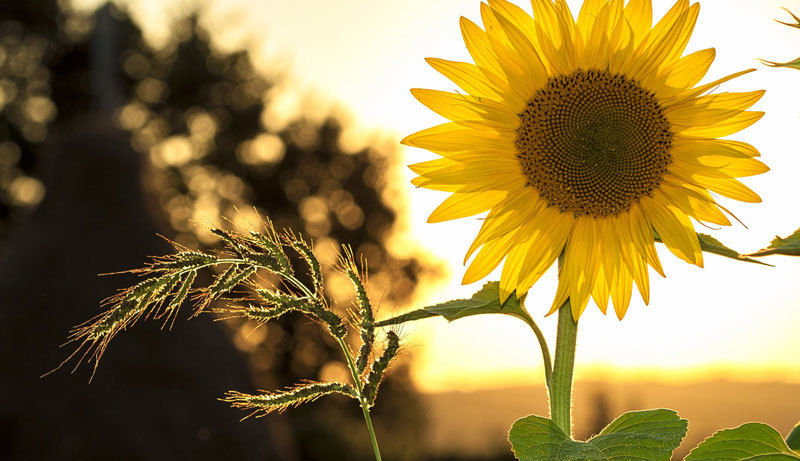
(236, 290)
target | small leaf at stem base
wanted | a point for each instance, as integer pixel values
(649, 435)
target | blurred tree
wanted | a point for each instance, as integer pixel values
(196, 114)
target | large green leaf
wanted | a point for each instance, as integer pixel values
(485, 301)
(789, 246)
(793, 441)
(537, 438)
(751, 441)
(649, 435)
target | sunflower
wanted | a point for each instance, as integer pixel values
(586, 138)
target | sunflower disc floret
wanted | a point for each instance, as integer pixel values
(593, 143)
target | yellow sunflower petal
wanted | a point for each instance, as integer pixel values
(621, 289)
(693, 204)
(520, 85)
(480, 168)
(530, 61)
(489, 258)
(551, 230)
(512, 268)
(662, 49)
(701, 90)
(667, 21)
(641, 276)
(739, 146)
(674, 228)
(506, 183)
(452, 138)
(481, 51)
(736, 167)
(541, 239)
(581, 263)
(712, 148)
(465, 204)
(728, 187)
(639, 14)
(553, 37)
(616, 9)
(432, 165)
(712, 109)
(597, 50)
(518, 17)
(421, 181)
(682, 40)
(518, 209)
(717, 166)
(727, 127)
(611, 250)
(687, 71)
(601, 292)
(461, 107)
(467, 76)
(642, 237)
(547, 17)
(562, 295)
(622, 44)
(588, 15)
(569, 26)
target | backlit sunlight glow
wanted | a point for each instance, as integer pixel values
(732, 320)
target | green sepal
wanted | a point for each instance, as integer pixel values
(748, 442)
(789, 246)
(796, 24)
(711, 245)
(649, 435)
(791, 64)
(485, 301)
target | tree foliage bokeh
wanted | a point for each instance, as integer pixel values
(196, 115)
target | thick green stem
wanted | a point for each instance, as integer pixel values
(361, 397)
(560, 384)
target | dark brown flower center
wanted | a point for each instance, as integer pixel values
(593, 143)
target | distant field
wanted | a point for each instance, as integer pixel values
(473, 425)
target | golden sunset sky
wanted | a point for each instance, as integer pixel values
(360, 57)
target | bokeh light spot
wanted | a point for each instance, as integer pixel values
(26, 191)
(264, 149)
(173, 151)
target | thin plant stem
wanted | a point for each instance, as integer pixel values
(560, 383)
(548, 366)
(361, 397)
